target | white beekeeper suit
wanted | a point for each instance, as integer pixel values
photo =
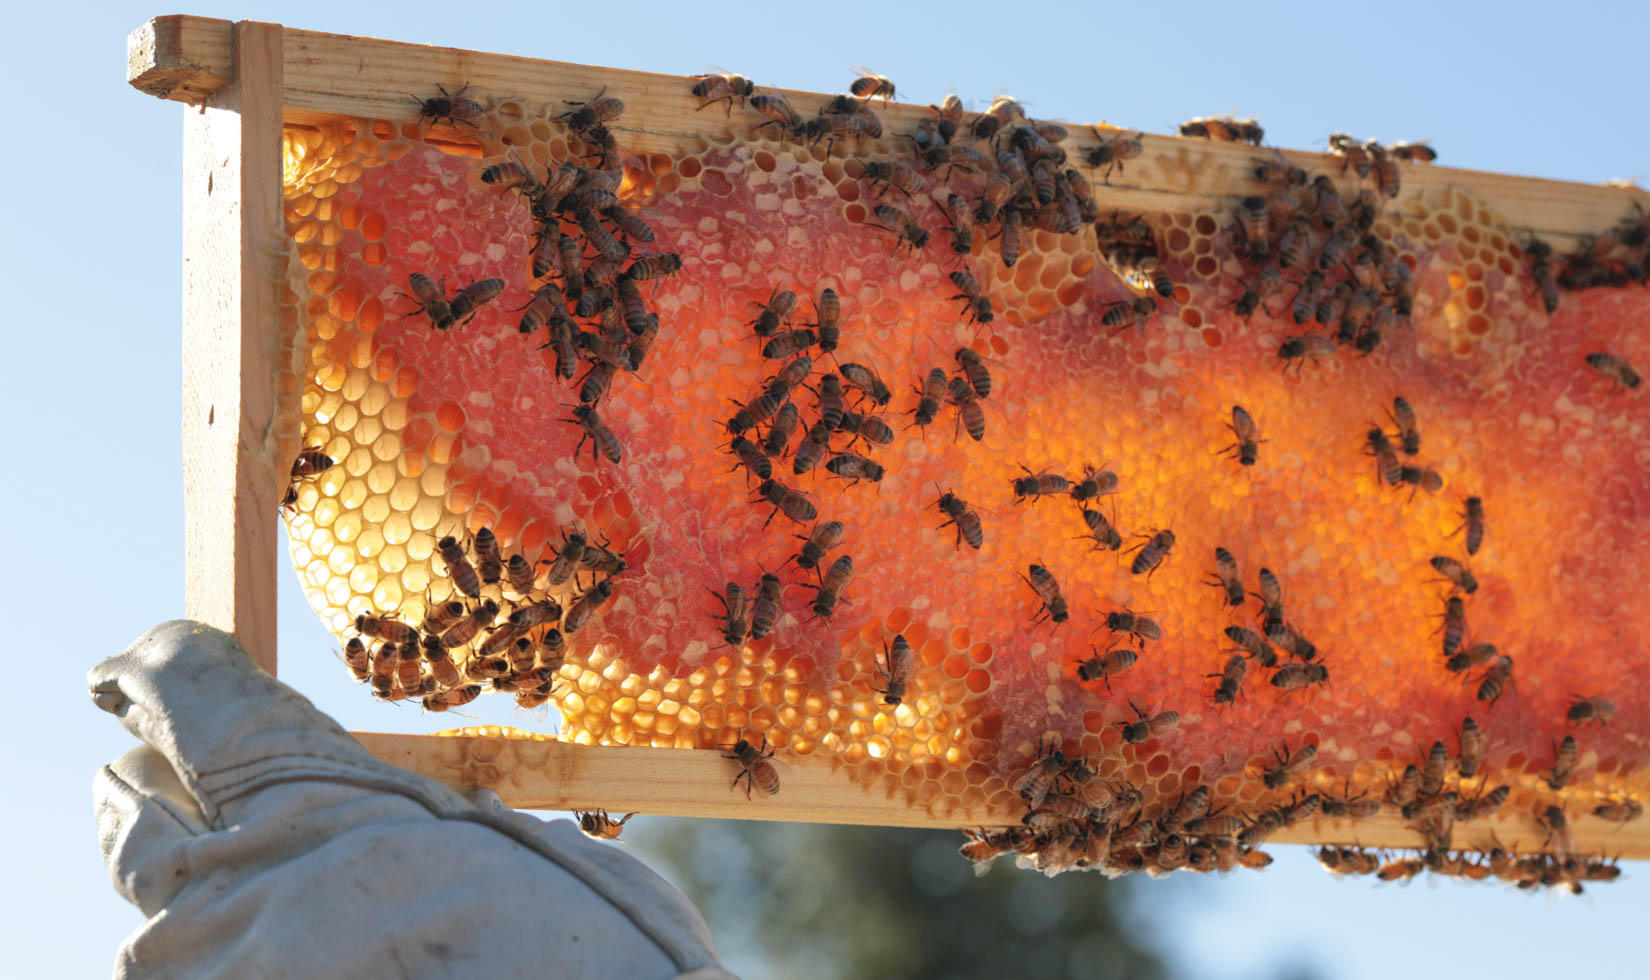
(261, 840)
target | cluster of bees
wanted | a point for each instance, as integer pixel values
(513, 630)
(585, 264)
(1526, 871)
(1075, 820)
(1618, 257)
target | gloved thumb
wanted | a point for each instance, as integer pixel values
(146, 821)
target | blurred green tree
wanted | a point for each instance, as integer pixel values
(807, 901)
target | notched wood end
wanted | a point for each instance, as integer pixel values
(179, 58)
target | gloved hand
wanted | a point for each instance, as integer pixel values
(261, 840)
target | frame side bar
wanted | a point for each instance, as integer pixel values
(233, 263)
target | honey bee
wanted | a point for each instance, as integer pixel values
(1472, 521)
(1138, 628)
(357, 659)
(1043, 583)
(383, 628)
(779, 113)
(1147, 727)
(1583, 710)
(870, 85)
(984, 846)
(1484, 804)
(867, 381)
(1476, 655)
(1041, 484)
(818, 543)
(441, 662)
(1037, 782)
(1252, 644)
(1620, 373)
(1295, 676)
(974, 368)
(1619, 811)
(1497, 676)
(1346, 807)
(829, 592)
(1095, 483)
(722, 88)
(431, 299)
(854, 468)
(814, 446)
(844, 118)
(787, 501)
(1008, 240)
(751, 457)
(780, 432)
(1409, 431)
(1541, 270)
(1101, 530)
(977, 305)
(1352, 153)
(1247, 434)
(1551, 819)
(599, 238)
(568, 557)
(963, 517)
(462, 307)
(790, 342)
(595, 429)
(454, 698)
(896, 670)
(892, 218)
(735, 617)
(970, 413)
(1278, 171)
(1405, 788)
(473, 623)
(1231, 679)
(650, 267)
(1226, 576)
(586, 606)
(1473, 743)
(765, 608)
(1151, 552)
(1432, 771)
(597, 824)
(534, 614)
(589, 115)
(1101, 666)
(1124, 314)
(1268, 281)
(1420, 152)
(1113, 152)
(451, 106)
(775, 312)
(1331, 210)
(894, 175)
(1401, 869)
(1264, 825)
(1253, 220)
(756, 767)
(489, 563)
(1290, 765)
(552, 648)
(1459, 576)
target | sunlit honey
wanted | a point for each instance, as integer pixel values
(443, 433)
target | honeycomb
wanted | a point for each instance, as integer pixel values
(439, 433)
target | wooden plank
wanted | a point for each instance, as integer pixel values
(185, 59)
(330, 74)
(233, 264)
(552, 775)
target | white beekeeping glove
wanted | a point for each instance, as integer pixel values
(261, 840)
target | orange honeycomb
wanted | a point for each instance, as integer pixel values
(441, 433)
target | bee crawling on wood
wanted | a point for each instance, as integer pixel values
(724, 87)
(451, 106)
(757, 766)
(598, 825)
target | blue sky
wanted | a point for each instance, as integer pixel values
(92, 259)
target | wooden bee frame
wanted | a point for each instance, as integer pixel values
(247, 78)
